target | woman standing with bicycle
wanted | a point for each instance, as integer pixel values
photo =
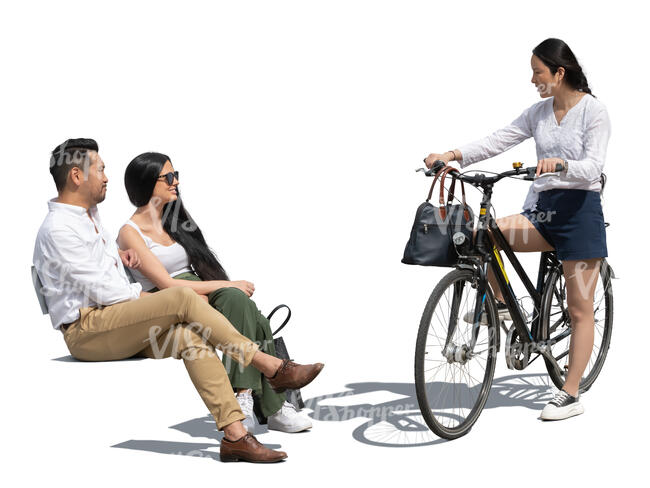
(562, 211)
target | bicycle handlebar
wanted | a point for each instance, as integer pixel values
(529, 173)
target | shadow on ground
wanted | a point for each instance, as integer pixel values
(203, 427)
(71, 359)
(393, 416)
(397, 421)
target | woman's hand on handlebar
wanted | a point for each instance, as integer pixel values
(433, 157)
(548, 165)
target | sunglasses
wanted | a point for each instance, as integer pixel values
(170, 177)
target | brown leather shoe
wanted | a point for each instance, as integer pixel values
(248, 448)
(292, 376)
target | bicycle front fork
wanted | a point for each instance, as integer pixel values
(463, 352)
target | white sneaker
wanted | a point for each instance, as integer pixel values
(245, 400)
(562, 407)
(288, 420)
(502, 311)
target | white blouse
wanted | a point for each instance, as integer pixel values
(173, 258)
(581, 138)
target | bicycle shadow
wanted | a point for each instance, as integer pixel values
(199, 427)
(397, 422)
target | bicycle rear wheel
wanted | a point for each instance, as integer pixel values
(556, 325)
(452, 388)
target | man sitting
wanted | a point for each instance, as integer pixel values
(105, 317)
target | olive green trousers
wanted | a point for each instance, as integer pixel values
(243, 314)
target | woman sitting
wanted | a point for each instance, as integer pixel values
(173, 252)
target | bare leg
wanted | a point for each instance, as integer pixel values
(266, 363)
(522, 236)
(581, 277)
(234, 431)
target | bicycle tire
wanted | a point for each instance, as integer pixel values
(602, 303)
(433, 414)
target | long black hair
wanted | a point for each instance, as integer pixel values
(140, 178)
(555, 53)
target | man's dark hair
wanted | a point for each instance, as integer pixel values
(73, 153)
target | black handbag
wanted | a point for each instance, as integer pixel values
(431, 240)
(293, 396)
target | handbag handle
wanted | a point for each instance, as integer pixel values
(442, 173)
(285, 320)
(450, 194)
(442, 209)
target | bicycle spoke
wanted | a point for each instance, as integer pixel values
(454, 387)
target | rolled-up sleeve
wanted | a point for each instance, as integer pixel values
(68, 252)
(596, 139)
(499, 141)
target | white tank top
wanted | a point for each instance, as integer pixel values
(173, 258)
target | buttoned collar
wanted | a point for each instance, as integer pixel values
(55, 206)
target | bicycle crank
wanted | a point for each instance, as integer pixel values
(516, 352)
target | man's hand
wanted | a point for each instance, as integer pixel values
(245, 286)
(129, 258)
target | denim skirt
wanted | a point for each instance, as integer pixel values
(572, 222)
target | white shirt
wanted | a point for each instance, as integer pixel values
(173, 258)
(78, 266)
(581, 138)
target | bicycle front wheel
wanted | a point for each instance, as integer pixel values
(452, 380)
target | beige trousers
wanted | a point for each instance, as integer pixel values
(174, 322)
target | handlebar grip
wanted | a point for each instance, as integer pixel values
(438, 165)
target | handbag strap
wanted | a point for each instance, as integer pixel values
(451, 188)
(440, 173)
(285, 320)
(450, 194)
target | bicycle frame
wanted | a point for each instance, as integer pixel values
(483, 253)
(546, 262)
(489, 239)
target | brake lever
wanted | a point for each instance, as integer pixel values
(437, 166)
(530, 174)
(427, 172)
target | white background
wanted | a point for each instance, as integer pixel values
(296, 127)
